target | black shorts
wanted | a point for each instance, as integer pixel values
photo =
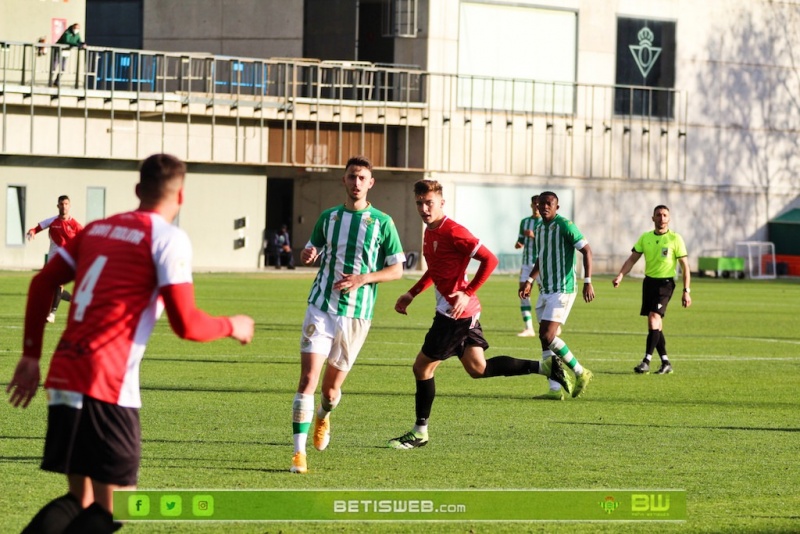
(449, 337)
(100, 440)
(656, 293)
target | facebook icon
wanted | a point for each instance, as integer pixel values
(138, 505)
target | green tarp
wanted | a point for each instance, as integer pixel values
(784, 231)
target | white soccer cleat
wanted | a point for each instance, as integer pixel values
(528, 332)
(51, 318)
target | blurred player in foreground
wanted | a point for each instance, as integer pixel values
(127, 269)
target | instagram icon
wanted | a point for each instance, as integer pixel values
(203, 505)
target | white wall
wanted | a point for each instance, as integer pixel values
(27, 20)
(612, 214)
(214, 197)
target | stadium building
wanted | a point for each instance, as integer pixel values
(617, 105)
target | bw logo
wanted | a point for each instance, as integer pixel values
(654, 502)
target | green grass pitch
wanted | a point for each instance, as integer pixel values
(724, 427)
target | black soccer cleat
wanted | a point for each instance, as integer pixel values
(665, 369)
(555, 371)
(409, 440)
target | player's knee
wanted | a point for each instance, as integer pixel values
(475, 373)
(419, 372)
(330, 396)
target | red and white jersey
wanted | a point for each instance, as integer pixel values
(448, 250)
(120, 263)
(61, 231)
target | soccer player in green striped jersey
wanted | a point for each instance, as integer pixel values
(557, 239)
(663, 249)
(358, 247)
(527, 242)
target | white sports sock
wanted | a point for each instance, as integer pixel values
(302, 412)
(554, 386)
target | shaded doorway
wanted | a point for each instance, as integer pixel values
(280, 211)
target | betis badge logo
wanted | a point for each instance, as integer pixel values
(645, 54)
(609, 504)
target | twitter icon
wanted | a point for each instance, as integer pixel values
(171, 505)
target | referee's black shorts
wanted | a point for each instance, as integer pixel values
(656, 293)
(99, 440)
(449, 337)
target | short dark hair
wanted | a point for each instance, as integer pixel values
(155, 174)
(548, 194)
(63, 198)
(359, 161)
(660, 207)
(534, 197)
(423, 187)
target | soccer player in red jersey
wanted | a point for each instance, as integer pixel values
(61, 228)
(448, 248)
(127, 269)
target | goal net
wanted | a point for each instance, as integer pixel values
(759, 258)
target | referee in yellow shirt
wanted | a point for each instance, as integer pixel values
(663, 249)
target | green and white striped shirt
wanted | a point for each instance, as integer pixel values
(352, 242)
(528, 243)
(557, 242)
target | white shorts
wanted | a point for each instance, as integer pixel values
(554, 307)
(341, 338)
(524, 272)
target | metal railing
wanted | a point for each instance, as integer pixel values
(144, 71)
(288, 111)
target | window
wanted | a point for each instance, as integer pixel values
(15, 215)
(502, 49)
(399, 18)
(646, 67)
(95, 204)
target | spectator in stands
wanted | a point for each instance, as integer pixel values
(71, 38)
(282, 247)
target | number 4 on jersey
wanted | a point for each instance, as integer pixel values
(83, 296)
